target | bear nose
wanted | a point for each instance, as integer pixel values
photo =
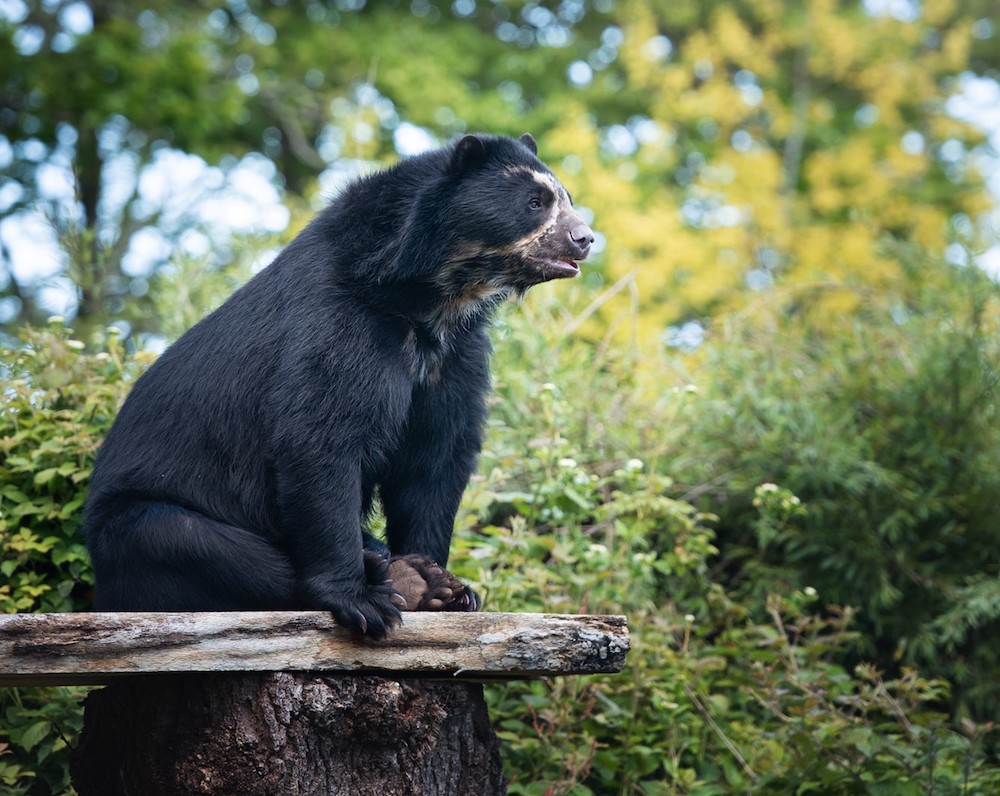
(583, 237)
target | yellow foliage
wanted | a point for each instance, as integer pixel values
(938, 12)
(841, 253)
(716, 99)
(929, 227)
(956, 46)
(834, 46)
(756, 186)
(641, 69)
(849, 177)
(903, 166)
(812, 188)
(700, 47)
(738, 45)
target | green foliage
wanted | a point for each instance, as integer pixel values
(188, 289)
(39, 727)
(838, 447)
(723, 694)
(716, 142)
(743, 675)
(57, 402)
(884, 428)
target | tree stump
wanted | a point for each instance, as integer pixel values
(288, 703)
(282, 733)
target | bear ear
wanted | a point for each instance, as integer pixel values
(468, 152)
(529, 141)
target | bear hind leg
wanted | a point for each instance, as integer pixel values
(163, 557)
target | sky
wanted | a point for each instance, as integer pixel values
(978, 101)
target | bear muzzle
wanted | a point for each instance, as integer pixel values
(567, 244)
(582, 238)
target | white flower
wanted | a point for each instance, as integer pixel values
(567, 462)
(689, 618)
(634, 464)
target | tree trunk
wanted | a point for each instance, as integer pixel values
(286, 733)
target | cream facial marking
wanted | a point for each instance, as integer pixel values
(543, 179)
(551, 184)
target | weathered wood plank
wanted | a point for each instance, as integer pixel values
(94, 648)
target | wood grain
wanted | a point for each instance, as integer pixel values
(95, 648)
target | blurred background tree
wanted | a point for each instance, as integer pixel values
(720, 145)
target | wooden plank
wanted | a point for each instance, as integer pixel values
(94, 648)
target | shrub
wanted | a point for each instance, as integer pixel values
(738, 680)
(57, 402)
(735, 691)
(883, 422)
(712, 700)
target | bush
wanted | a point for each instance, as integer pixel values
(721, 695)
(740, 677)
(882, 422)
(57, 402)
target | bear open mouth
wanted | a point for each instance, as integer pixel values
(558, 268)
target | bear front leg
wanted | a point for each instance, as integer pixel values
(436, 456)
(325, 542)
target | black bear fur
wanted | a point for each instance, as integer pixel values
(243, 465)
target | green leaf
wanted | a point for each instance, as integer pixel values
(44, 476)
(577, 498)
(13, 494)
(34, 734)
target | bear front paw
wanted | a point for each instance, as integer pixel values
(427, 586)
(371, 615)
(371, 608)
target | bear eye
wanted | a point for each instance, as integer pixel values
(535, 204)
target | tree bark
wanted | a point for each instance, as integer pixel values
(282, 734)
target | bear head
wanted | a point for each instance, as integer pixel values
(495, 222)
(515, 214)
